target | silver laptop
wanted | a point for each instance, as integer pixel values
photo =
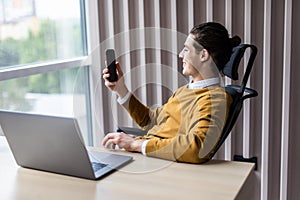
(54, 144)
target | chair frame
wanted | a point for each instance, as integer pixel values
(239, 93)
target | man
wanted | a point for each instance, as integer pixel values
(188, 126)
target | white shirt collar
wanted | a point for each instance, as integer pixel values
(204, 83)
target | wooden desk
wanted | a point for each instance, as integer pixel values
(144, 178)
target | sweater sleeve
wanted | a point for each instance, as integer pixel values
(141, 114)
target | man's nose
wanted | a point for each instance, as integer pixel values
(180, 54)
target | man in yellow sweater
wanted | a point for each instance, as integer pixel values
(188, 126)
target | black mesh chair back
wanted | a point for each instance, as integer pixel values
(238, 92)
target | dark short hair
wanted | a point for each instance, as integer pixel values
(214, 38)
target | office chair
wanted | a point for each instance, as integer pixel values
(239, 93)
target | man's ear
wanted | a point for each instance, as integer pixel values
(204, 55)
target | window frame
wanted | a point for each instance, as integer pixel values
(21, 71)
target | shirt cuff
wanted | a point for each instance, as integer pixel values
(124, 99)
(144, 144)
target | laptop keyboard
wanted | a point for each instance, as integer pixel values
(97, 166)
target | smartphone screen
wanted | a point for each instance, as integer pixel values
(111, 65)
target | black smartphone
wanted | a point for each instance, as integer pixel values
(111, 65)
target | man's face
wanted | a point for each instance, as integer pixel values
(190, 57)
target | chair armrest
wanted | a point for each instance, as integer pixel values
(250, 93)
(247, 93)
(132, 131)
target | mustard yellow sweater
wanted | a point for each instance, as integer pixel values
(187, 127)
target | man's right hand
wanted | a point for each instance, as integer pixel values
(119, 86)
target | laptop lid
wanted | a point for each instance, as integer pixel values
(53, 144)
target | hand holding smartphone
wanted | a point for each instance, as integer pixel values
(111, 65)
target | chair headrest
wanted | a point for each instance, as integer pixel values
(231, 67)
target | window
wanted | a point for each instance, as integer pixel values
(42, 46)
(39, 30)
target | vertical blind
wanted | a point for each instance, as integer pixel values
(148, 36)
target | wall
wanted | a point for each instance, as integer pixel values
(267, 127)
